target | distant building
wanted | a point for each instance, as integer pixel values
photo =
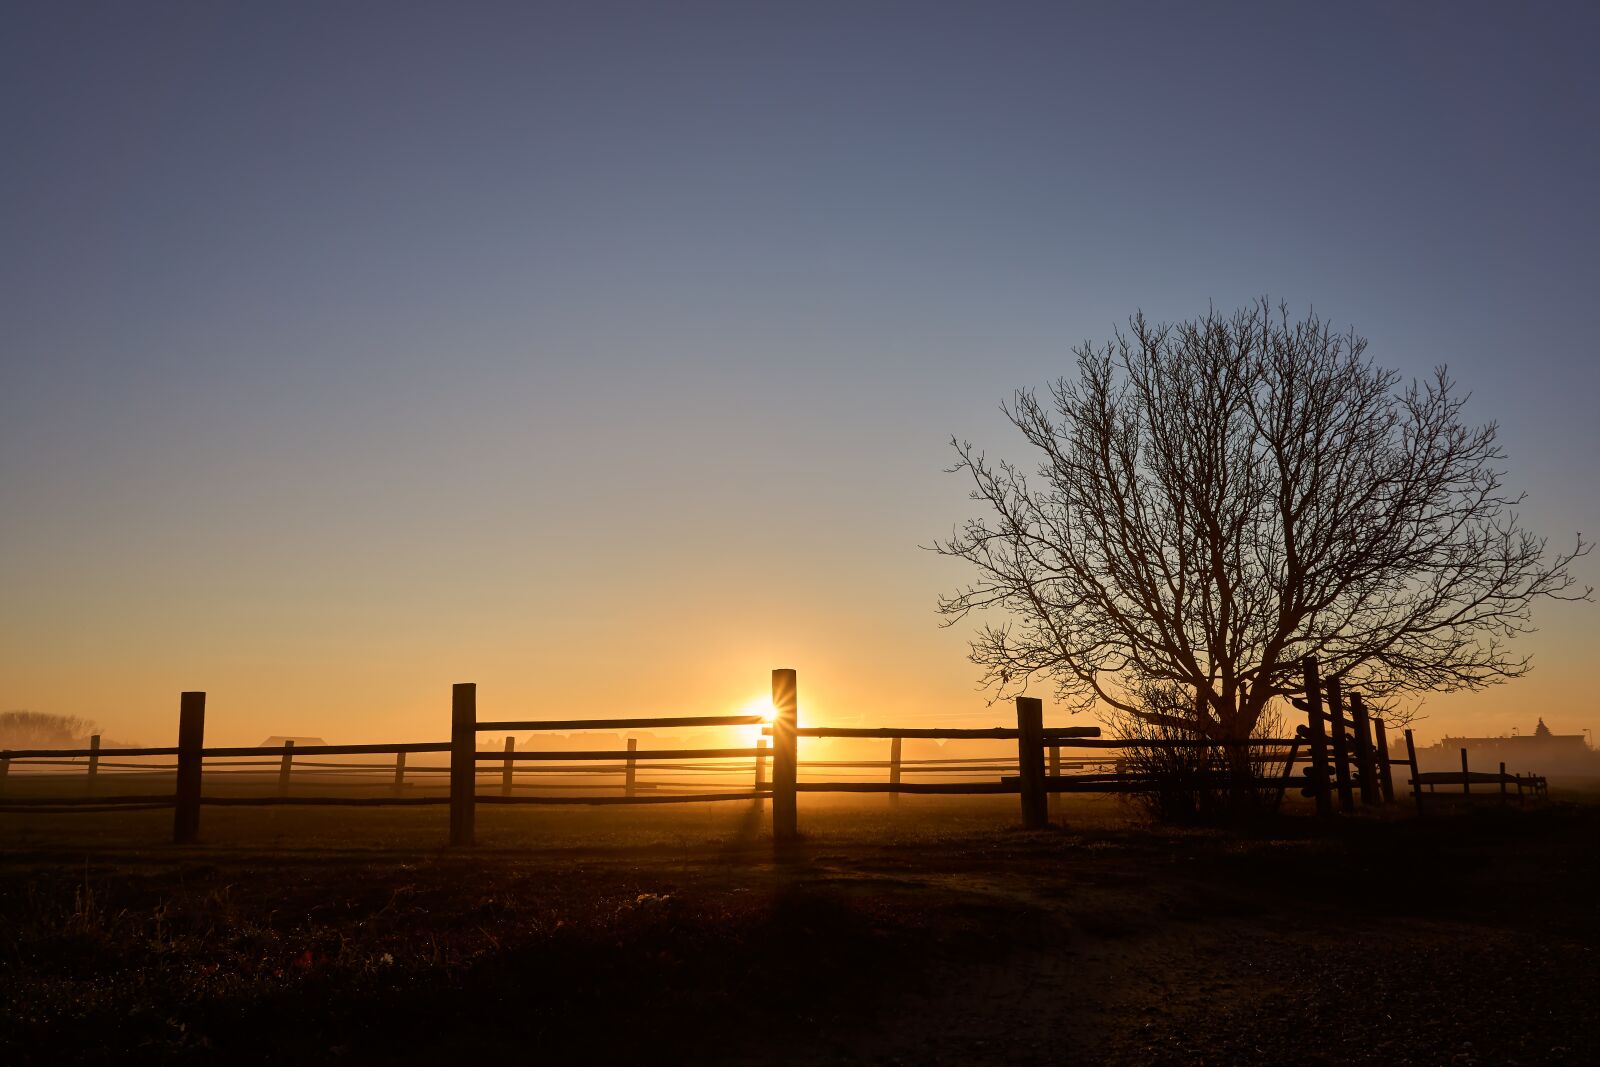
(1541, 752)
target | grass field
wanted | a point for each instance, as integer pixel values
(933, 931)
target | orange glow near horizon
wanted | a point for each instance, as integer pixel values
(390, 692)
(346, 651)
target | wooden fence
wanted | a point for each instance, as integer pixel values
(1499, 783)
(1350, 759)
(1347, 756)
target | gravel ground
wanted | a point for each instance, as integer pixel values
(935, 934)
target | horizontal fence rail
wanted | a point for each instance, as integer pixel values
(998, 733)
(620, 753)
(30, 753)
(330, 750)
(905, 787)
(624, 724)
(675, 798)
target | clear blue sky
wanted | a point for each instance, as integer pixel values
(608, 351)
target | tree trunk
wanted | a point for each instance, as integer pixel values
(1241, 776)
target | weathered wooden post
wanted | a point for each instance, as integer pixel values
(399, 772)
(630, 774)
(785, 755)
(1055, 772)
(1466, 778)
(761, 770)
(1364, 761)
(1341, 748)
(5, 772)
(1030, 763)
(463, 761)
(94, 760)
(191, 740)
(1416, 772)
(894, 769)
(1287, 776)
(283, 767)
(1319, 737)
(507, 772)
(1502, 784)
(1385, 775)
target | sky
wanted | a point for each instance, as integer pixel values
(607, 355)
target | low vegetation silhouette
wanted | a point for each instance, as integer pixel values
(41, 729)
(1176, 766)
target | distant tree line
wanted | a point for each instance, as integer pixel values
(41, 729)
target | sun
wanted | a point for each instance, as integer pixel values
(762, 706)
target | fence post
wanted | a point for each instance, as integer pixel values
(509, 769)
(191, 740)
(1416, 772)
(1287, 776)
(1030, 762)
(894, 769)
(283, 767)
(1055, 772)
(1319, 737)
(94, 759)
(1385, 776)
(785, 755)
(630, 776)
(1466, 780)
(1364, 762)
(399, 772)
(5, 772)
(1502, 784)
(1341, 747)
(761, 770)
(463, 760)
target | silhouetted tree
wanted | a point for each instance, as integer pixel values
(1217, 499)
(38, 729)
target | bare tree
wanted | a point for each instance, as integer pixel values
(1217, 499)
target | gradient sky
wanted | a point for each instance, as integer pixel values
(606, 354)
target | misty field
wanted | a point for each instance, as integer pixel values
(932, 931)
